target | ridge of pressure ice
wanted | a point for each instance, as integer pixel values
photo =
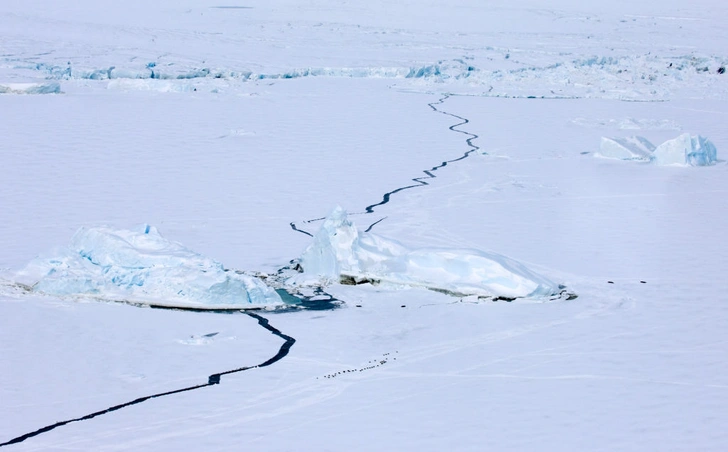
(140, 265)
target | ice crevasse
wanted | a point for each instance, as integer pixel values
(140, 265)
(340, 251)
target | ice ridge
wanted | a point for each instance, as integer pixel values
(140, 265)
(341, 252)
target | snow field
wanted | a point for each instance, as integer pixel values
(224, 165)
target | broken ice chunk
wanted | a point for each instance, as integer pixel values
(340, 251)
(627, 148)
(141, 266)
(689, 150)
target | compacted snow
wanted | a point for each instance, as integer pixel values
(455, 134)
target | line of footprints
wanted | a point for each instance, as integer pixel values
(373, 364)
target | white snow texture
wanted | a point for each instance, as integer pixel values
(140, 265)
(339, 249)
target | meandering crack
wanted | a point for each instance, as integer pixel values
(429, 173)
(211, 380)
(420, 181)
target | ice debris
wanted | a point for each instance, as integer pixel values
(140, 265)
(341, 252)
(30, 88)
(685, 150)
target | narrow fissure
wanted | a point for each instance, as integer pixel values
(418, 181)
(211, 380)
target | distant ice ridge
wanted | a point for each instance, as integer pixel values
(496, 73)
(149, 85)
(140, 265)
(340, 252)
(685, 150)
(30, 88)
(442, 70)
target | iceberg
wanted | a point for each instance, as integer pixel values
(340, 252)
(627, 148)
(686, 150)
(141, 266)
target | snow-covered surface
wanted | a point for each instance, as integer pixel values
(222, 126)
(690, 150)
(141, 266)
(339, 249)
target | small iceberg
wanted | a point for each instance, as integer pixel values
(685, 150)
(141, 266)
(341, 253)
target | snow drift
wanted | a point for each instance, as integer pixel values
(140, 265)
(685, 150)
(340, 252)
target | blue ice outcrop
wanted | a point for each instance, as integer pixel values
(340, 252)
(627, 148)
(141, 266)
(686, 150)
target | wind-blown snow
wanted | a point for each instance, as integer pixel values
(690, 150)
(340, 250)
(140, 265)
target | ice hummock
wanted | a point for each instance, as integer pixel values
(626, 148)
(140, 265)
(685, 150)
(690, 150)
(339, 250)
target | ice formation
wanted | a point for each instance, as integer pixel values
(685, 150)
(691, 150)
(339, 251)
(30, 88)
(140, 265)
(628, 148)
